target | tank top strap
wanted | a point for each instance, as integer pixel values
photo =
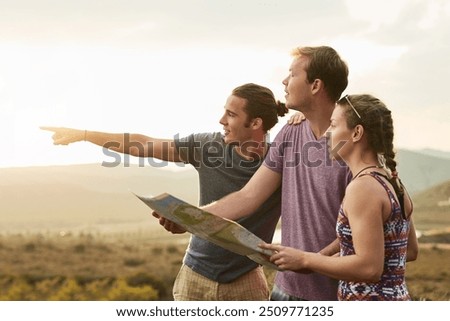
(389, 192)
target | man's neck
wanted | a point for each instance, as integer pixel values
(319, 119)
(252, 149)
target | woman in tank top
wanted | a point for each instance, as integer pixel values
(374, 227)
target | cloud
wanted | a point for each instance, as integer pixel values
(90, 56)
(147, 23)
(376, 13)
(403, 54)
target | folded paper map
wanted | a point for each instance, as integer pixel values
(223, 232)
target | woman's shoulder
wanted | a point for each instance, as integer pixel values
(366, 196)
(365, 188)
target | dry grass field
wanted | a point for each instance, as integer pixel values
(139, 266)
(86, 267)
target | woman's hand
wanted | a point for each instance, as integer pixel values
(287, 258)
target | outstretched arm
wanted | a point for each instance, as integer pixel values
(134, 144)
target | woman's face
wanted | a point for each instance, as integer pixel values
(339, 143)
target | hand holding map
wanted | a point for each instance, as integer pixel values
(220, 231)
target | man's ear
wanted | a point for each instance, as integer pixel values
(257, 123)
(316, 85)
(358, 133)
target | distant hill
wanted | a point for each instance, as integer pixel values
(427, 178)
(432, 207)
(435, 153)
(86, 196)
(91, 197)
(421, 171)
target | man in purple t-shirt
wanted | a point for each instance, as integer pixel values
(312, 185)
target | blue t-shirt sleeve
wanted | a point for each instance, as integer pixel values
(192, 148)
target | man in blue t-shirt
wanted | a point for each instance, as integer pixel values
(225, 163)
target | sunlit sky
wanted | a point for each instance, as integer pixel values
(166, 67)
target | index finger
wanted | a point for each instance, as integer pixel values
(273, 247)
(49, 128)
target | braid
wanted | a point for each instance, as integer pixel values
(377, 121)
(388, 138)
(389, 154)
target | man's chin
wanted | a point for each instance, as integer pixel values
(227, 140)
(231, 142)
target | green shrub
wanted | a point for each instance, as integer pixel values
(132, 262)
(172, 249)
(121, 291)
(98, 289)
(29, 247)
(19, 290)
(157, 251)
(143, 279)
(48, 287)
(69, 291)
(79, 248)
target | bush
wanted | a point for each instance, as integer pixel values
(132, 262)
(69, 291)
(59, 288)
(19, 290)
(172, 249)
(29, 247)
(143, 279)
(121, 291)
(79, 248)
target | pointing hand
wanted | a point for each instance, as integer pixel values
(65, 136)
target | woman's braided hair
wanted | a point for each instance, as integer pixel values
(377, 121)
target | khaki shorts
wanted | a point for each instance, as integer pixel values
(191, 286)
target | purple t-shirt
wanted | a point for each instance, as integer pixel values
(312, 190)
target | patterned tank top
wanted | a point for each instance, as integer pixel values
(391, 286)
